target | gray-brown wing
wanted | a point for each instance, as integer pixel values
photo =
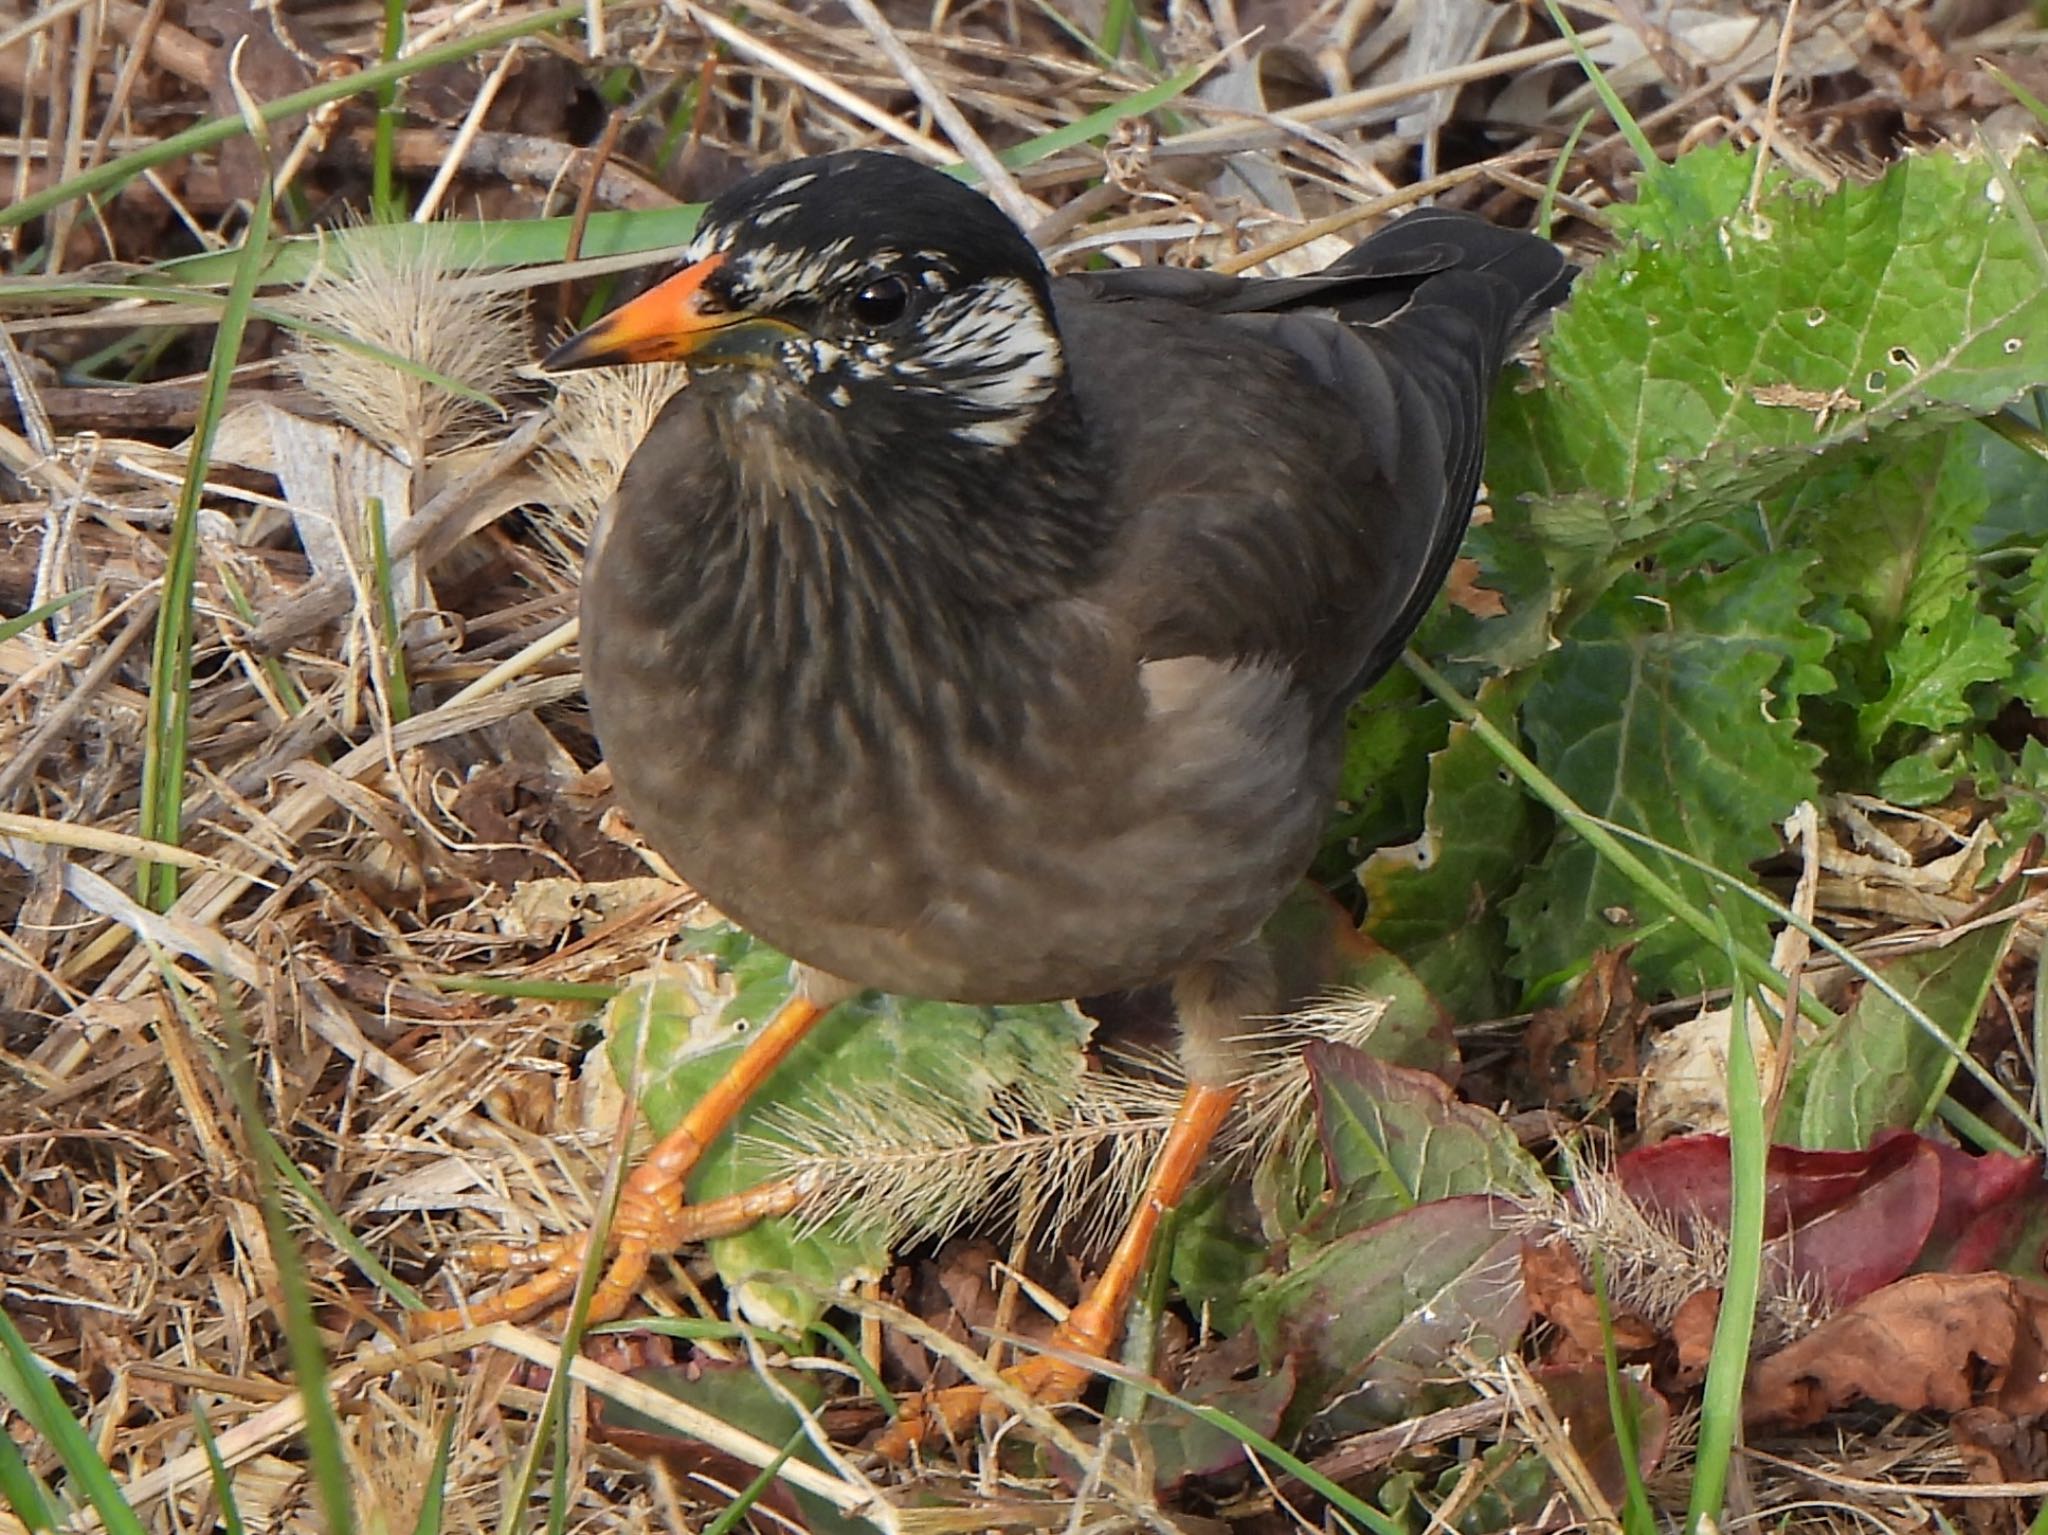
(1367, 383)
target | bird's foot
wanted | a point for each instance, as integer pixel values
(1049, 1379)
(650, 1219)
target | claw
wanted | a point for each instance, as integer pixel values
(1044, 1378)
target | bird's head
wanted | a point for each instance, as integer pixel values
(886, 295)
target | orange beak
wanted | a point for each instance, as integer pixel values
(674, 320)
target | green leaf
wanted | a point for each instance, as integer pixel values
(1895, 525)
(1395, 1138)
(1388, 736)
(1370, 1318)
(1413, 1028)
(2028, 600)
(1672, 713)
(1217, 1249)
(954, 1059)
(1938, 658)
(1694, 375)
(1879, 1068)
(1435, 901)
(1696, 191)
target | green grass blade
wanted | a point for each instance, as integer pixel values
(24, 1383)
(329, 1221)
(322, 1432)
(857, 1362)
(385, 205)
(1547, 207)
(454, 245)
(33, 1503)
(387, 614)
(1728, 1362)
(434, 1506)
(597, 992)
(164, 742)
(1098, 122)
(219, 130)
(1624, 120)
(740, 1506)
(1636, 1515)
(2020, 93)
(217, 1472)
(10, 627)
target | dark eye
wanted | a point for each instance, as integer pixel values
(882, 302)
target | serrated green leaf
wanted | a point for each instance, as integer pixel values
(1878, 1069)
(1694, 375)
(954, 1058)
(1673, 712)
(1895, 525)
(1696, 190)
(1938, 659)
(1435, 901)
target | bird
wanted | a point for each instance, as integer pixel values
(975, 634)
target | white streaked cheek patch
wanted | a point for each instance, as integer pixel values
(993, 347)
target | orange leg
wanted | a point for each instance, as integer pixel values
(1093, 1326)
(651, 1217)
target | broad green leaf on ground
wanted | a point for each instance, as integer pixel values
(1372, 1321)
(1894, 525)
(1394, 1138)
(1434, 901)
(1692, 375)
(1878, 1069)
(948, 1063)
(1694, 191)
(1180, 1446)
(1218, 1245)
(1672, 712)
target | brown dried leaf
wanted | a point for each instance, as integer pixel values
(1584, 1049)
(1557, 1291)
(1692, 1337)
(1946, 1342)
(1463, 591)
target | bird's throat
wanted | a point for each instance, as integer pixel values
(769, 563)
